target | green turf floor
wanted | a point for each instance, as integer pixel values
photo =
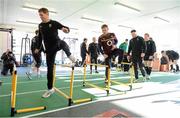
(29, 91)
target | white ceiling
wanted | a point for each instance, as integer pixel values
(71, 11)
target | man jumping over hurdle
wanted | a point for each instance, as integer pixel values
(107, 45)
(48, 34)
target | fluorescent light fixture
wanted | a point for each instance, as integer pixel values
(30, 8)
(26, 22)
(125, 26)
(127, 6)
(91, 19)
(162, 19)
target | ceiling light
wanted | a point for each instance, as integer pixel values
(26, 22)
(125, 26)
(127, 6)
(33, 8)
(91, 19)
(162, 19)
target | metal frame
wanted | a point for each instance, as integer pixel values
(25, 42)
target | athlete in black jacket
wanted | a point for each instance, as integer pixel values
(35, 42)
(83, 51)
(93, 52)
(48, 34)
(138, 48)
(173, 58)
(149, 55)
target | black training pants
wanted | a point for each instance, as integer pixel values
(6, 68)
(116, 52)
(38, 59)
(50, 60)
(93, 60)
(138, 62)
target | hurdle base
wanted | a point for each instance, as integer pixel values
(12, 112)
(61, 93)
(107, 92)
(70, 102)
(130, 86)
(84, 84)
(30, 109)
(82, 100)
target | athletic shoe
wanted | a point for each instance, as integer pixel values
(135, 80)
(96, 71)
(29, 75)
(148, 77)
(38, 74)
(3, 74)
(144, 79)
(0, 82)
(72, 59)
(48, 93)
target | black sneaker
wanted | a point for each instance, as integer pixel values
(96, 71)
(29, 75)
(0, 83)
(135, 81)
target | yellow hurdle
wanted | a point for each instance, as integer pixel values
(109, 80)
(13, 92)
(93, 85)
(70, 96)
(81, 100)
(13, 98)
(54, 74)
(62, 93)
(99, 65)
(30, 109)
(131, 78)
(84, 79)
(108, 87)
(126, 63)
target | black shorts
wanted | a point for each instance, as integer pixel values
(146, 58)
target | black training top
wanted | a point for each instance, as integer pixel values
(49, 33)
(137, 46)
(83, 49)
(173, 55)
(93, 49)
(150, 47)
(35, 43)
